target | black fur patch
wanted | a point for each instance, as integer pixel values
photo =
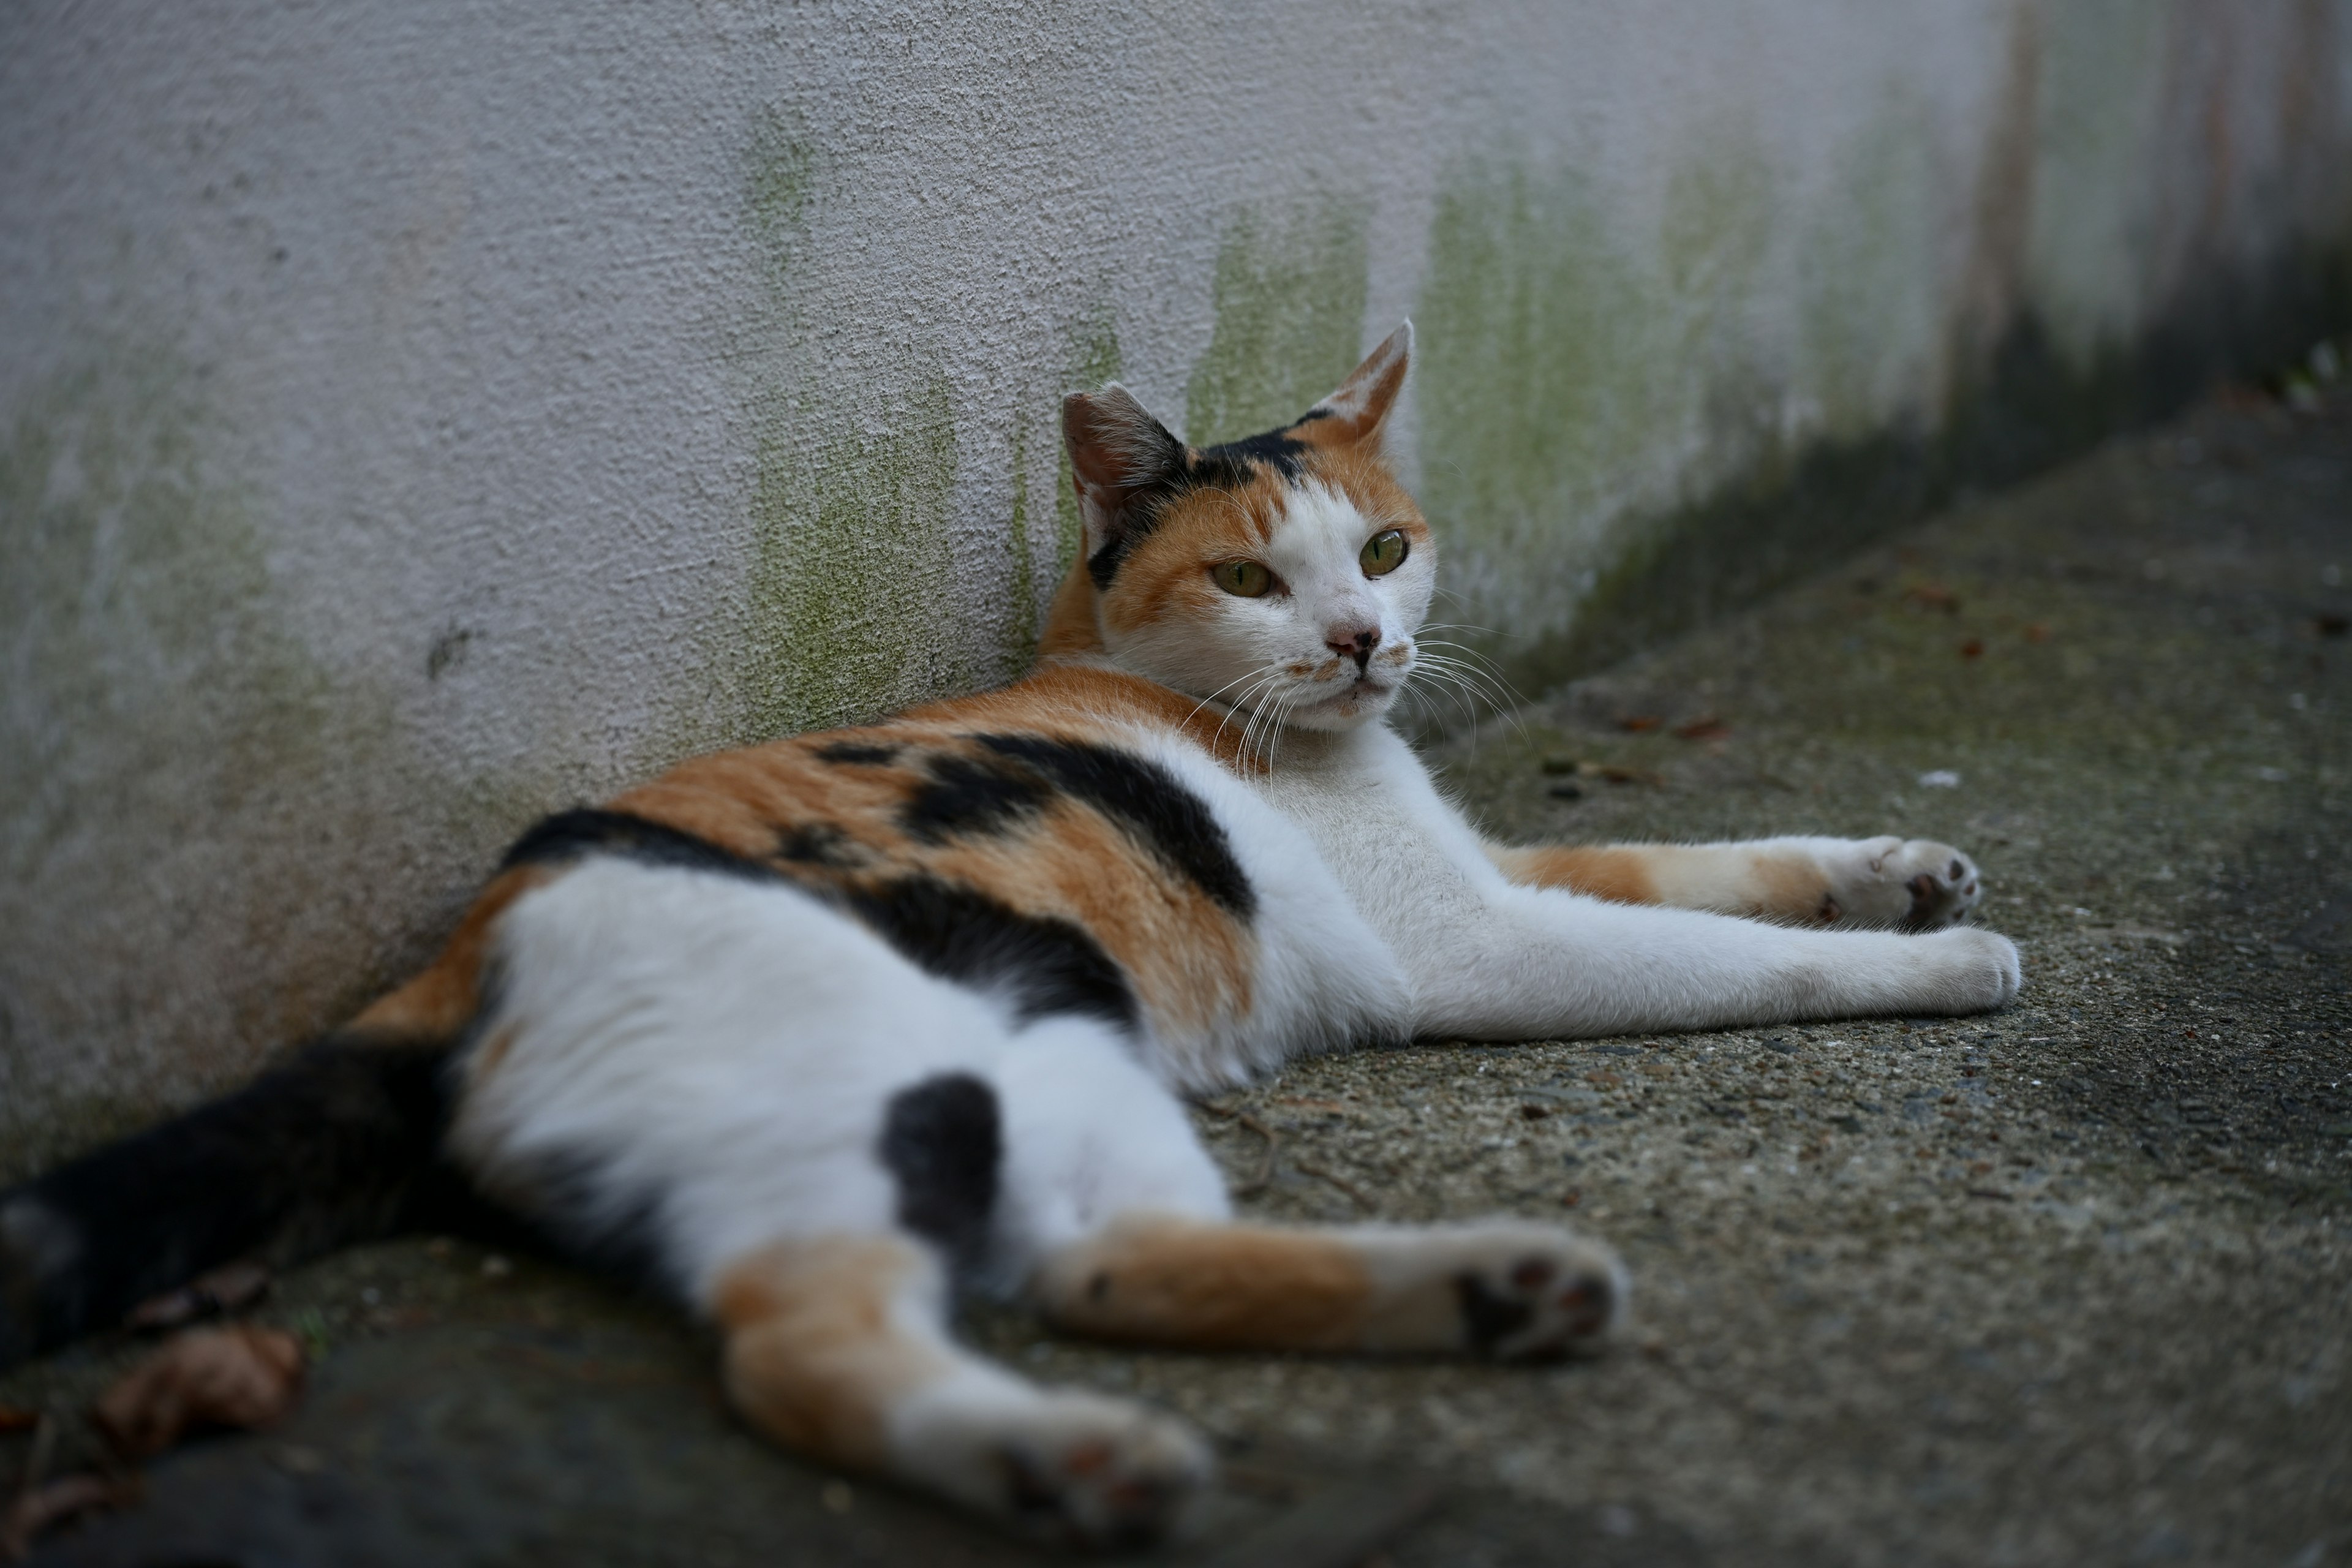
(339, 1144)
(863, 753)
(820, 844)
(1487, 1315)
(1146, 800)
(1229, 463)
(1225, 467)
(943, 1139)
(965, 796)
(569, 834)
(1051, 965)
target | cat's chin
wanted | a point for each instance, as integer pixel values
(1350, 710)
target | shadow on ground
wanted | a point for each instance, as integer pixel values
(2064, 1284)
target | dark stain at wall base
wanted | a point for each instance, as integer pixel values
(2027, 410)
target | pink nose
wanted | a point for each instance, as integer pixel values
(1357, 646)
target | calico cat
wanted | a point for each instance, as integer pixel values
(817, 1030)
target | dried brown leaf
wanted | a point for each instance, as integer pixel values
(40, 1507)
(243, 1375)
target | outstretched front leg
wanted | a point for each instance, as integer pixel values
(1506, 1289)
(837, 1348)
(1912, 884)
(1545, 964)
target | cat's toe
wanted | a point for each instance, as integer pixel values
(1542, 1293)
(1943, 884)
(1912, 884)
(1101, 1472)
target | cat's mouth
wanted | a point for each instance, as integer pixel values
(1365, 688)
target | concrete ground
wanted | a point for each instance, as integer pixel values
(2067, 1285)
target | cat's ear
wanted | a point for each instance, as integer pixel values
(1119, 452)
(1354, 413)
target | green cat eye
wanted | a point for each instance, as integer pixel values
(1246, 579)
(1383, 553)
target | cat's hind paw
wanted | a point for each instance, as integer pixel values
(1541, 1300)
(1507, 1289)
(1068, 1465)
(1914, 884)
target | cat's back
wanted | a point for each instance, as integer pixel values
(1082, 842)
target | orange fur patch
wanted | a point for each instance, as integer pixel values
(1166, 577)
(1786, 887)
(1617, 872)
(1176, 1282)
(438, 1001)
(1189, 960)
(816, 1355)
(1070, 627)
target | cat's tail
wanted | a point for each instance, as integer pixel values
(339, 1143)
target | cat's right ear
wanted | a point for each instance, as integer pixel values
(1118, 454)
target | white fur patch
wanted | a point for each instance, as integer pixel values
(716, 1055)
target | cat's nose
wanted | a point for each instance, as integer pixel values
(1357, 646)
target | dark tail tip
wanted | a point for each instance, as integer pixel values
(337, 1145)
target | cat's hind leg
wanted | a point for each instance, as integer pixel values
(793, 1126)
(1915, 884)
(1116, 1222)
(837, 1348)
(1509, 1289)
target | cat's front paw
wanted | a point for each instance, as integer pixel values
(1978, 971)
(1914, 884)
(1068, 1466)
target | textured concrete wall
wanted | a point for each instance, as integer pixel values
(417, 416)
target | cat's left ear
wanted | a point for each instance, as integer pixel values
(1120, 454)
(1355, 412)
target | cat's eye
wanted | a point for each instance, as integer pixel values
(1244, 579)
(1383, 553)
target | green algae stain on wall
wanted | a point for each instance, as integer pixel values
(780, 177)
(2098, 102)
(178, 772)
(1873, 303)
(852, 589)
(1579, 380)
(137, 603)
(1021, 627)
(1716, 227)
(1289, 298)
(1540, 379)
(853, 580)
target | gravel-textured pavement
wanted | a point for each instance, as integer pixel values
(2070, 1284)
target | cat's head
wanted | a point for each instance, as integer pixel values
(1287, 574)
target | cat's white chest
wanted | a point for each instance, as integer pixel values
(1410, 867)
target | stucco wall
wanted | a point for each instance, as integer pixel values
(417, 416)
